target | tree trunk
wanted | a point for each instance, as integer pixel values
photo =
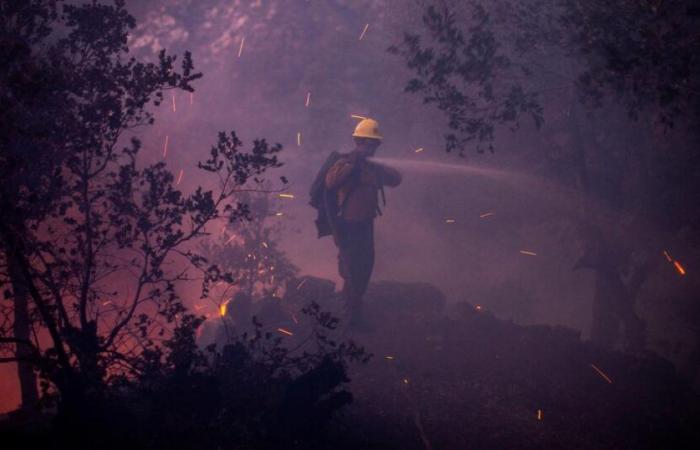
(21, 330)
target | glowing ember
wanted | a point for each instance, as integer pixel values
(679, 268)
(230, 239)
(355, 116)
(478, 307)
(308, 99)
(405, 380)
(223, 308)
(449, 221)
(279, 214)
(481, 216)
(539, 414)
(389, 357)
(179, 177)
(165, 147)
(240, 50)
(364, 30)
(286, 195)
(418, 150)
(600, 372)
(174, 107)
(264, 244)
(526, 252)
(299, 139)
(294, 318)
(287, 332)
(302, 283)
(108, 302)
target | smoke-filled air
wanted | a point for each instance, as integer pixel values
(350, 224)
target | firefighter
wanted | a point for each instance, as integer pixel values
(356, 183)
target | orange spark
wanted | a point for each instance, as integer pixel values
(600, 372)
(389, 357)
(478, 307)
(240, 50)
(355, 116)
(539, 414)
(287, 332)
(481, 216)
(165, 147)
(364, 30)
(174, 107)
(299, 139)
(308, 99)
(279, 214)
(286, 195)
(179, 177)
(525, 252)
(264, 244)
(405, 380)
(668, 256)
(230, 239)
(418, 150)
(680, 268)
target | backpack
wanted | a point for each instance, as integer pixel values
(323, 200)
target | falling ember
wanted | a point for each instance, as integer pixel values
(287, 332)
(286, 195)
(668, 257)
(601, 373)
(108, 302)
(240, 50)
(481, 216)
(308, 99)
(405, 380)
(389, 357)
(418, 150)
(294, 318)
(680, 268)
(355, 116)
(165, 147)
(364, 30)
(525, 252)
(279, 214)
(179, 177)
(264, 244)
(230, 239)
(299, 139)
(174, 107)
(539, 414)
(223, 308)
(478, 307)
(449, 221)
(302, 283)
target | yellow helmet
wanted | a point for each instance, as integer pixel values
(367, 128)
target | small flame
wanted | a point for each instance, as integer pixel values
(223, 308)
